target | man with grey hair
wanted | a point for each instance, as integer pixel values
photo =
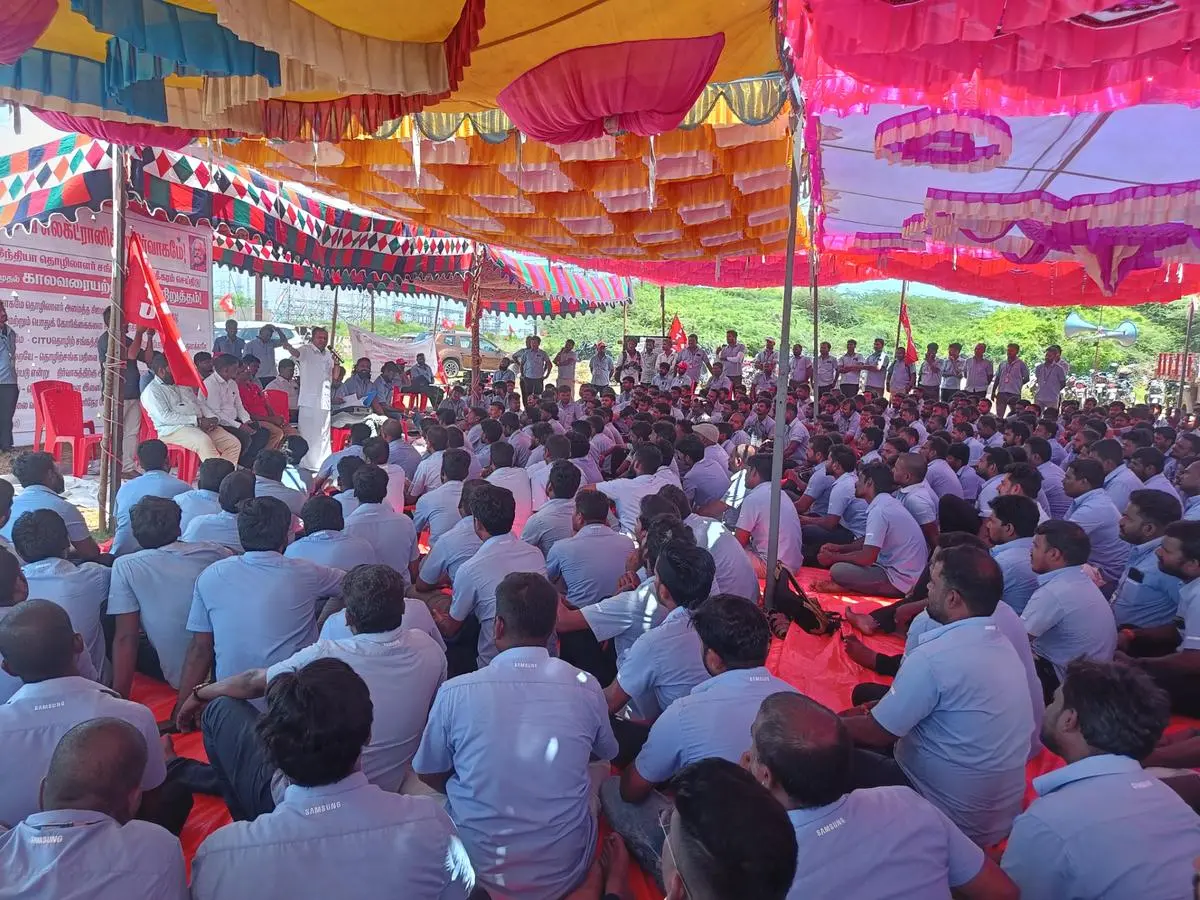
(86, 840)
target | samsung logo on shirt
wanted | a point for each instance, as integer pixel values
(41, 707)
(48, 839)
(832, 826)
(323, 808)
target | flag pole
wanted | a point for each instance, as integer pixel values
(114, 369)
(900, 314)
(781, 397)
(1187, 348)
(662, 309)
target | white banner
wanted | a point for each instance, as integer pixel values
(62, 274)
(380, 350)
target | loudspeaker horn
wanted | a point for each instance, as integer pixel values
(1125, 334)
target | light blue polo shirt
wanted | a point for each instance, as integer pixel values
(819, 483)
(403, 669)
(1068, 617)
(553, 522)
(713, 720)
(907, 848)
(392, 534)
(329, 467)
(215, 528)
(920, 501)
(196, 503)
(453, 549)
(293, 499)
(1119, 484)
(942, 480)
(706, 481)
(518, 736)
(1096, 514)
(334, 549)
(963, 739)
(477, 579)
(970, 481)
(851, 510)
(902, 548)
(1103, 827)
(663, 665)
(38, 496)
(82, 853)
(260, 608)
(625, 617)
(1019, 581)
(590, 563)
(1160, 482)
(154, 483)
(733, 572)
(386, 844)
(1191, 508)
(416, 615)
(437, 510)
(82, 590)
(403, 454)
(988, 491)
(1056, 498)
(1146, 597)
(159, 585)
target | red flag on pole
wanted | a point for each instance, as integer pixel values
(226, 305)
(676, 338)
(146, 306)
(910, 352)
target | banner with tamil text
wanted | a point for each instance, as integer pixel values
(61, 276)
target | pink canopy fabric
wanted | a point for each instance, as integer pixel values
(22, 24)
(115, 132)
(640, 87)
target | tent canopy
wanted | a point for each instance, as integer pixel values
(266, 227)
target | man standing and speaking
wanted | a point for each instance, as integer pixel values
(535, 366)
(315, 361)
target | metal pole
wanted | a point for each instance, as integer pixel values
(437, 315)
(371, 292)
(1096, 355)
(110, 448)
(258, 298)
(1187, 346)
(624, 325)
(662, 310)
(333, 323)
(813, 275)
(785, 336)
(473, 311)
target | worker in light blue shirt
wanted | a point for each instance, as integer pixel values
(252, 611)
(222, 527)
(960, 739)
(666, 662)
(204, 499)
(500, 553)
(872, 842)
(437, 510)
(845, 518)
(42, 486)
(1052, 476)
(1102, 826)
(1093, 510)
(393, 845)
(1010, 528)
(590, 563)
(99, 850)
(523, 806)
(712, 721)
(151, 591)
(1067, 617)
(815, 500)
(229, 342)
(1119, 481)
(1145, 596)
(391, 533)
(324, 540)
(155, 481)
(554, 520)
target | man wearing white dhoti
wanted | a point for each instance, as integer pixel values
(315, 363)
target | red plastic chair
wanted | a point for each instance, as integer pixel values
(36, 390)
(277, 403)
(339, 439)
(181, 458)
(65, 425)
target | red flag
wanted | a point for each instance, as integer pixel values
(676, 338)
(226, 305)
(447, 324)
(399, 316)
(910, 352)
(146, 306)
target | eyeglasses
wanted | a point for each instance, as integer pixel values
(664, 822)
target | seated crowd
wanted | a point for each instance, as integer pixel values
(428, 673)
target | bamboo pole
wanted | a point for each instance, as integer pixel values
(114, 371)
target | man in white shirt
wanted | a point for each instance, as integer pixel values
(1011, 376)
(565, 361)
(224, 399)
(315, 361)
(978, 370)
(754, 517)
(731, 356)
(848, 367)
(800, 369)
(929, 376)
(286, 382)
(377, 452)
(627, 493)
(876, 367)
(953, 369)
(180, 418)
(152, 590)
(429, 470)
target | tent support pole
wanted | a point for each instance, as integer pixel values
(333, 323)
(473, 311)
(114, 369)
(1187, 347)
(371, 292)
(785, 336)
(813, 273)
(662, 311)
(258, 298)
